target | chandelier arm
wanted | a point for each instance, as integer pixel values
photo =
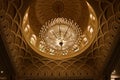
(54, 34)
(66, 31)
(59, 31)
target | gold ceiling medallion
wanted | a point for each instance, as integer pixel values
(60, 37)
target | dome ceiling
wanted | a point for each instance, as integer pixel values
(67, 31)
(41, 11)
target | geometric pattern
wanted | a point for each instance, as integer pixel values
(89, 65)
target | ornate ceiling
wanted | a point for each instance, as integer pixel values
(88, 65)
(75, 10)
(60, 36)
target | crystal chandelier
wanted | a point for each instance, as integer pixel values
(61, 33)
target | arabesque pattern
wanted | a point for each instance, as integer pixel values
(29, 65)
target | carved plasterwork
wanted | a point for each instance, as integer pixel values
(30, 65)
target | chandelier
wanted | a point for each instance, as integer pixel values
(61, 34)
